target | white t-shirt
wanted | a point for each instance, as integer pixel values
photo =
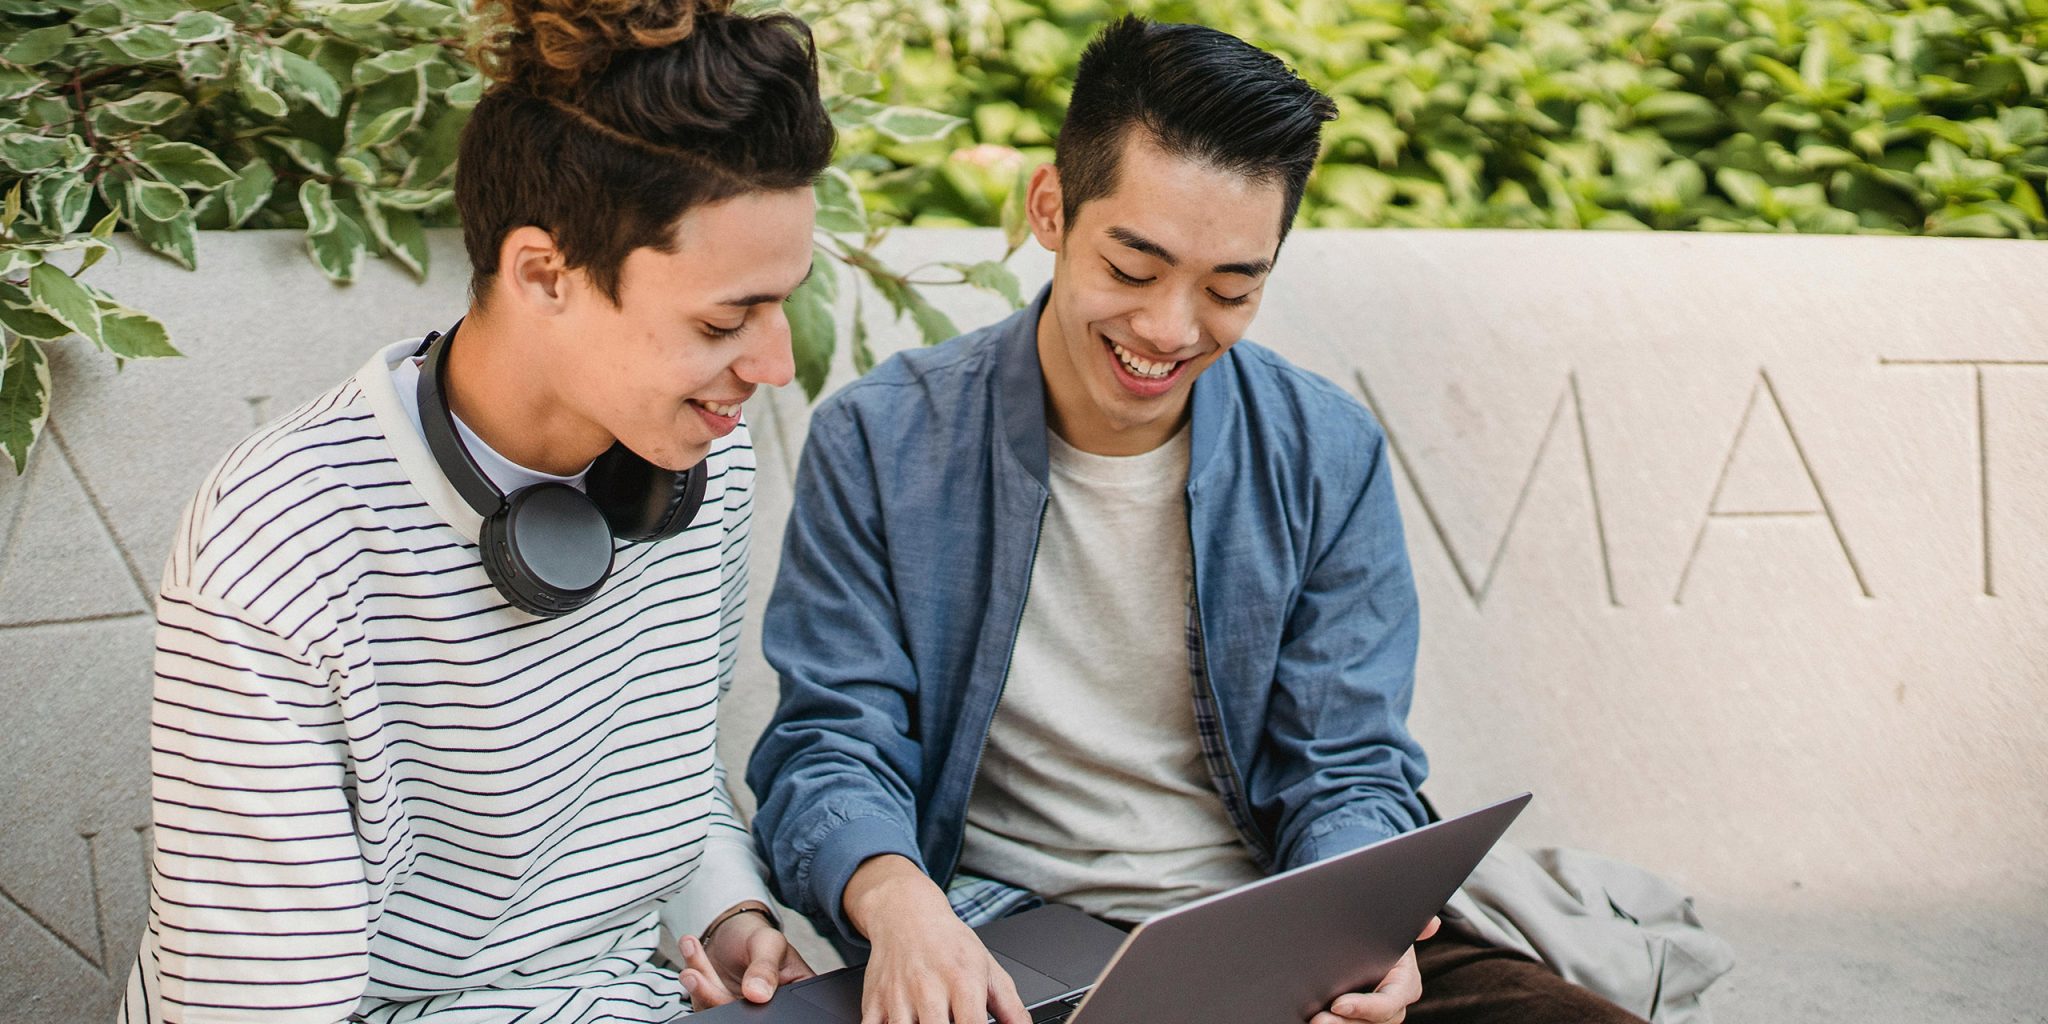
(378, 788)
(1092, 789)
(509, 476)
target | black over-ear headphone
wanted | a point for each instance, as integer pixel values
(548, 547)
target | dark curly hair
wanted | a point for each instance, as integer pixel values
(607, 120)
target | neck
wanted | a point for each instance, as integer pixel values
(496, 385)
(1077, 418)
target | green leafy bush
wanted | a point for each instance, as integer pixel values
(339, 118)
(1907, 116)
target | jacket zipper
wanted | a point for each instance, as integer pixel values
(1257, 843)
(1009, 660)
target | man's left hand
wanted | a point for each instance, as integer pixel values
(1389, 1002)
(749, 959)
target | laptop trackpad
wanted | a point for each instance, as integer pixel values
(1032, 987)
(838, 993)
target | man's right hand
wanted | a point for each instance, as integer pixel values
(927, 966)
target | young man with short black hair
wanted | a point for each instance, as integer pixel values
(1102, 605)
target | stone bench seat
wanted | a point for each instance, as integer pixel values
(1733, 549)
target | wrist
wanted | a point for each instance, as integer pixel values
(739, 920)
(885, 889)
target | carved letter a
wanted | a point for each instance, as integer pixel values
(1764, 388)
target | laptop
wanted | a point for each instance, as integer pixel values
(1277, 951)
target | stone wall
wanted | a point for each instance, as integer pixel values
(1733, 549)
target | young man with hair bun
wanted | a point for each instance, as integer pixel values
(439, 652)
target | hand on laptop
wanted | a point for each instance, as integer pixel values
(1388, 1003)
(927, 966)
(750, 958)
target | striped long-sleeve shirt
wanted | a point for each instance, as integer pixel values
(380, 790)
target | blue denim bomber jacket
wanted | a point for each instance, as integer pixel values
(903, 577)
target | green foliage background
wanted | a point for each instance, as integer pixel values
(339, 118)
(1900, 116)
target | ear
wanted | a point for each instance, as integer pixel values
(1042, 209)
(532, 272)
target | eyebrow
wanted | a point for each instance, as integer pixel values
(762, 298)
(1132, 240)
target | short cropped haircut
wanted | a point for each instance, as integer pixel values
(1199, 94)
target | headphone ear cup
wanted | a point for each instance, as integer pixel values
(686, 497)
(548, 549)
(642, 501)
(495, 551)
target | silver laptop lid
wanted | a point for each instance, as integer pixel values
(1279, 950)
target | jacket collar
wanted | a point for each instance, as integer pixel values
(1020, 386)
(1020, 397)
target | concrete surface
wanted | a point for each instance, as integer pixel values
(1733, 549)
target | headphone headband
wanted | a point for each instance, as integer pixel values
(548, 547)
(437, 421)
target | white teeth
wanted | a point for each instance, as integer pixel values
(721, 410)
(1141, 367)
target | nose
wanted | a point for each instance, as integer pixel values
(769, 359)
(1166, 323)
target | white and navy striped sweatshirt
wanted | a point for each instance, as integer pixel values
(380, 790)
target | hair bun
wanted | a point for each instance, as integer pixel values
(557, 45)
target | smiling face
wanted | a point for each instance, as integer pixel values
(695, 330)
(1152, 283)
(664, 369)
